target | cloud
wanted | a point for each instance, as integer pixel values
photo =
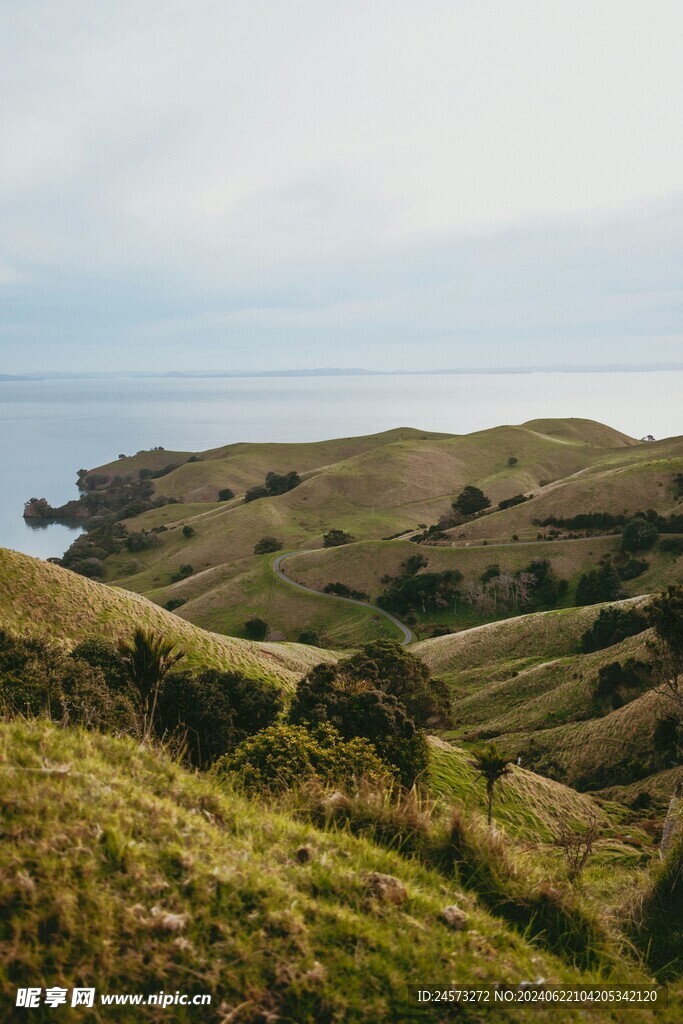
(344, 174)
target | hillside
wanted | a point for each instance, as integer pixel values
(525, 683)
(376, 487)
(124, 868)
(48, 601)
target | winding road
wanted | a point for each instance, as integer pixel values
(408, 635)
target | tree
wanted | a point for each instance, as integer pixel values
(255, 629)
(335, 538)
(603, 584)
(267, 544)
(226, 494)
(492, 767)
(665, 616)
(470, 501)
(357, 709)
(388, 666)
(147, 658)
(638, 535)
(611, 627)
(215, 710)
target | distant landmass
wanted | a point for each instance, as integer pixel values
(335, 371)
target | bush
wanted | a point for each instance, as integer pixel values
(275, 483)
(188, 531)
(309, 636)
(215, 711)
(598, 585)
(142, 541)
(175, 602)
(39, 679)
(335, 538)
(226, 494)
(373, 714)
(611, 627)
(341, 590)
(671, 545)
(632, 569)
(103, 654)
(255, 629)
(285, 756)
(267, 544)
(516, 499)
(182, 574)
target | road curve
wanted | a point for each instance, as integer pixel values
(408, 636)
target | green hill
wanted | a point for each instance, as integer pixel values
(48, 601)
(122, 870)
(375, 487)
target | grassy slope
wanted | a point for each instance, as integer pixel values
(522, 681)
(41, 598)
(120, 869)
(373, 487)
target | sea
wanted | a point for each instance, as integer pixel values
(51, 428)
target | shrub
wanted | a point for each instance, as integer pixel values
(188, 531)
(598, 585)
(182, 574)
(516, 499)
(103, 654)
(226, 494)
(175, 602)
(255, 629)
(267, 544)
(322, 698)
(142, 541)
(672, 545)
(309, 636)
(285, 756)
(335, 538)
(611, 627)
(341, 590)
(215, 711)
(632, 569)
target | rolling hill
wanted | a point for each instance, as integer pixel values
(376, 487)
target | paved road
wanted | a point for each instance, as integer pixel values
(408, 636)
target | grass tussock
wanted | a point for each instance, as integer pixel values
(485, 862)
(655, 915)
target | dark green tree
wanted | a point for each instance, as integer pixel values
(638, 535)
(256, 629)
(470, 501)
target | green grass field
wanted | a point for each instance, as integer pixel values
(126, 871)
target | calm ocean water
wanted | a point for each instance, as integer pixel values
(50, 429)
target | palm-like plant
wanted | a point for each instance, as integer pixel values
(492, 766)
(147, 658)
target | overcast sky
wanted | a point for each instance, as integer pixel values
(245, 184)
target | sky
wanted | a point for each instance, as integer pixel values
(254, 184)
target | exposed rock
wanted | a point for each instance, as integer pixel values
(455, 918)
(386, 888)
